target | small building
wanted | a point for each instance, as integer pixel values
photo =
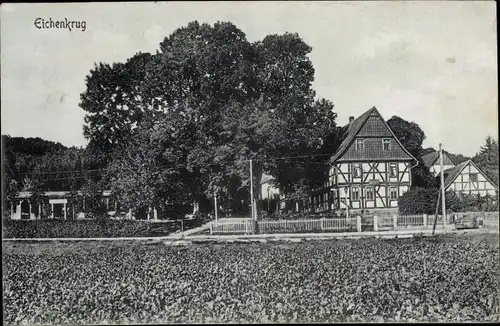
(432, 161)
(24, 209)
(467, 178)
(267, 188)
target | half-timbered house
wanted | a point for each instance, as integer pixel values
(432, 161)
(467, 178)
(371, 169)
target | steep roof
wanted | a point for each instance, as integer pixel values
(266, 178)
(451, 174)
(357, 125)
(431, 158)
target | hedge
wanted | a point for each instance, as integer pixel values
(91, 228)
(424, 201)
(264, 215)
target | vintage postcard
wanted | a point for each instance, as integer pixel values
(249, 162)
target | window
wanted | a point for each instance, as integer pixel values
(356, 170)
(369, 193)
(355, 193)
(386, 144)
(360, 144)
(473, 177)
(394, 193)
(393, 170)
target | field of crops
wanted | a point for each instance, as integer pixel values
(445, 278)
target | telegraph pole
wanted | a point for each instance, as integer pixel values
(436, 215)
(443, 201)
(251, 190)
(215, 198)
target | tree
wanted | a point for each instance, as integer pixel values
(487, 159)
(294, 123)
(150, 173)
(113, 105)
(93, 200)
(210, 101)
(411, 137)
(24, 160)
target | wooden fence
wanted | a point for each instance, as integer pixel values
(232, 227)
(353, 224)
(285, 226)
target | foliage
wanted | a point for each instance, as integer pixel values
(94, 205)
(411, 137)
(424, 201)
(113, 103)
(439, 279)
(487, 159)
(418, 201)
(92, 228)
(457, 158)
(36, 165)
(209, 101)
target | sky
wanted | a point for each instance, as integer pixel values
(433, 63)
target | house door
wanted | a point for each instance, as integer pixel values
(58, 210)
(25, 210)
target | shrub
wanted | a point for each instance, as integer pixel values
(424, 201)
(91, 228)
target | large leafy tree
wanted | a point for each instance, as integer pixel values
(206, 103)
(294, 124)
(113, 103)
(151, 172)
(411, 137)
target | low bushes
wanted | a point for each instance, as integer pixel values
(424, 201)
(263, 215)
(91, 228)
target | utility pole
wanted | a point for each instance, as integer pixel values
(251, 190)
(268, 199)
(215, 199)
(443, 201)
(436, 215)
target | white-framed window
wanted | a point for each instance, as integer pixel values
(473, 177)
(369, 193)
(360, 144)
(355, 193)
(356, 170)
(393, 170)
(393, 191)
(386, 144)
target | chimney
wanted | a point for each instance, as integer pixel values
(351, 119)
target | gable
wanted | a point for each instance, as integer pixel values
(464, 168)
(372, 128)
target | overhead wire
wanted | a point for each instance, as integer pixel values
(290, 159)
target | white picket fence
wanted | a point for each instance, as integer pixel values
(285, 226)
(351, 224)
(411, 220)
(232, 227)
